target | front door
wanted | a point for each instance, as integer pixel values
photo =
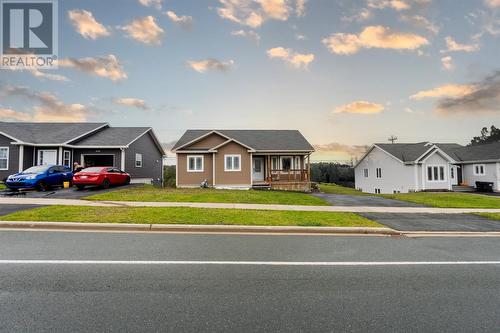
(258, 169)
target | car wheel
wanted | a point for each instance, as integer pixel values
(105, 183)
(42, 186)
(127, 181)
(80, 187)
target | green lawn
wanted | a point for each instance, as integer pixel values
(182, 215)
(491, 216)
(338, 189)
(153, 194)
(448, 199)
(2, 186)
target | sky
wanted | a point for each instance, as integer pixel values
(345, 73)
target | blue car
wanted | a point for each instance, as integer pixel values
(41, 177)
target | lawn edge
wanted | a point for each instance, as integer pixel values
(82, 226)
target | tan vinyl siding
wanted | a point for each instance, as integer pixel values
(242, 177)
(208, 142)
(185, 178)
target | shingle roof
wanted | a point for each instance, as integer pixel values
(259, 140)
(113, 136)
(47, 133)
(409, 152)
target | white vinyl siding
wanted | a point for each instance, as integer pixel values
(4, 158)
(479, 169)
(232, 162)
(195, 163)
(436, 173)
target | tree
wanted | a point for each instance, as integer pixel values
(487, 136)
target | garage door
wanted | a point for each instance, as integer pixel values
(98, 160)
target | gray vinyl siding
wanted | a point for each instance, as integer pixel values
(77, 155)
(13, 157)
(151, 159)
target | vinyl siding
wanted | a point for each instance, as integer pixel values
(492, 174)
(151, 159)
(194, 179)
(233, 178)
(13, 157)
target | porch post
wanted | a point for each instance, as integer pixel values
(21, 158)
(122, 160)
(309, 170)
(59, 161)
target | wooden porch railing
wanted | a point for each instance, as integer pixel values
(288, 175)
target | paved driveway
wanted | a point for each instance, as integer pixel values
(363, 200)
(69, 193)
(434, 222)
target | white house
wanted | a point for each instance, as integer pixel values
(425, 166)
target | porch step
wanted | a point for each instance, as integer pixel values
(261, 186)
(462, 188)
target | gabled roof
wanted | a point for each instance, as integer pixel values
(405, 152)
(486, 152)
(258, 140)
(113, 136)
(48, 133)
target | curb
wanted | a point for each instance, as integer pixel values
(196, 228)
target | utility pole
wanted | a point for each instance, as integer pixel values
(393, 139)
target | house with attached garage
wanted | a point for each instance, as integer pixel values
(426, 166)
(135, 150)
(244, 159)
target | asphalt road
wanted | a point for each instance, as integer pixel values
(196, 296)
(363, 200)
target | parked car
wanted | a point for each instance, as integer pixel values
(100, 176)
(41, 177)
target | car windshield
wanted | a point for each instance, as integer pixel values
(94, 169)
(36, 169)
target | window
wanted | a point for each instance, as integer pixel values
(232, 163)
(67, 158)
(274, 162)
(379, 172)
(435, 173)
(452, 173)
(377, 191)
(195, 163)
(365, 171)
(479, 169)
(138, 160)
(297, 165)
(4, 158)
(257, 165)
(47, 157)
(286, 163)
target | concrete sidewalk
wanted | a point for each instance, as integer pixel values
(352, 209)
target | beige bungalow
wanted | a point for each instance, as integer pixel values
(242, 159)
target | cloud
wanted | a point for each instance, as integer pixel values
(246, 33)
(484, 98)
(447, 90)
(145, 30)
(133, 102)
(492, 3)
(86, 25)
(48, 107)
(447, 63)
(203, 66)
(40, 74)
(421, 22)
(152, 3)
(107, 67)
(360, 107)
(363, 15)
(291, 57)
(394, 4)
(9, 114)
(373, 37)
(254, 13)
(336, 149)
(453, 46)
(184, 21)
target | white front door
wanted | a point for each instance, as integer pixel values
(46, 157)
(258, 169)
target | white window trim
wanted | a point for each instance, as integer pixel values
(138, 160)
(366, 173)
(445, 174)
(8, 157)
(232, 156)
(195, 156)
(281, 162)
(474, 166)
(378, 173)
(277, 164)
(69, 158)
(44, 150)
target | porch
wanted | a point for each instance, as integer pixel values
(282, 172)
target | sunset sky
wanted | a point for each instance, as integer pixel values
(345, 73)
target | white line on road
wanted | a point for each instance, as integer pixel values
(250, 263)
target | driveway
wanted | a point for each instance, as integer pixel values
(363, 200)
(434, 222)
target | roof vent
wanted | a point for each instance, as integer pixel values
(428, 144)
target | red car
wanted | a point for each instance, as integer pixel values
(100, 176)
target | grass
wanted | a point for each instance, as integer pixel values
(491, 216)
(2, 186)
(448, 199)
(153, 194)
(338, 189)
(182, 215)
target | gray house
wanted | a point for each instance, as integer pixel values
(135, 150)
(424, 166)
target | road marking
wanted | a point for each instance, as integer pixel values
(249, 263)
